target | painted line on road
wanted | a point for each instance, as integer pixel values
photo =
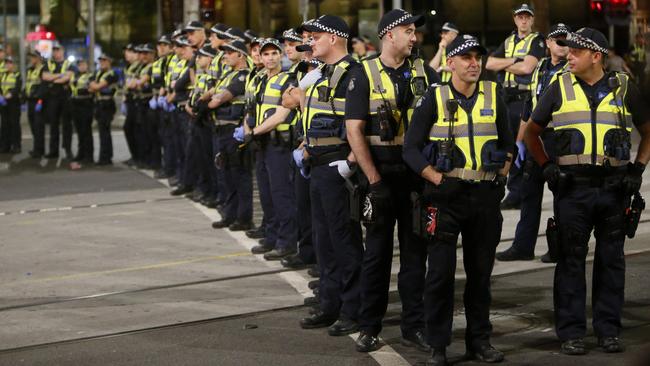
(385, 356)
(93, 205)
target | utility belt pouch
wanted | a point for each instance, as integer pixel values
(617, 144)
(386, 122)
(416, 202)
(419, 85)
(633, 215)
(444, 160)
(552, 238)
(355, 199)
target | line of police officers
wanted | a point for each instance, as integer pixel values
(337, 143)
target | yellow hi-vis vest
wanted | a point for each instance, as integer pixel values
(253, 79)
(106, 93)
(170, 70)
(474, 134)
(589, 128)
(218, 69)
(202, 83)
(445, 76)
(324, 116)
(270, 98)
(33, 81)
(79, 86)
(232, 111)
(8, 82)
(535, 87)
(159, 71)
(519, 50)
(382, 90)
(132, 72)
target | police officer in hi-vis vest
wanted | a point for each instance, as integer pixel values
(10, 93)
(439, 61)
(385, 92)
(145, 119)
(129, 105)
(515, 60)
(104, 85)
(35, 92)
(57, 74)
(592, 177)
(459, 140)
(159, 119)
(82, 112)
(532, 187)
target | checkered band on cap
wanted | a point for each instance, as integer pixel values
(467, 44)
(586, 43)
(327, 29)
(395, 23)
(561, 30)
(291, 35)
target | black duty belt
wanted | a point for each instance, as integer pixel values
(326, 158)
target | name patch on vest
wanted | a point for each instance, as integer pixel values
(487, 112)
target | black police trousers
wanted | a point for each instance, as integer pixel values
(54, 109)
(10, 133)
(129, 126)
(306, 250)
(37, 126)
(532, 193)
(577, 212)
(82, 115)
(470, 209)
(378, 258)
(515, 108)
(104, 112)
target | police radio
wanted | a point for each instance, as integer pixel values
(444, 161)
(617, 142)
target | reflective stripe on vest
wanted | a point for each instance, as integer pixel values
(519, 50)
(271, 100)
(445, 76)
(575, 114)
(80, 83)
(171, 65)
(51, 66)
(108, 91)
(471, 132)
(329, 106)
(9, 80)
(201, 85)
(33, 80)
(535, 88)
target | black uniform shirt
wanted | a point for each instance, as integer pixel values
(359, 90)
(238, 84)
(547, 71)
(551, 100)
(425, 115)
(182, 86)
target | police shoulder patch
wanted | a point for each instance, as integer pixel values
(419, 103)
(351, 85)
(242, 77)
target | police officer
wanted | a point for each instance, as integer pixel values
(170, 130)
(57, 74)
(337, 239)
(532, 188)
(10, 88)
(439, 61)
(145, 122)
(515, 61)
(104, 85)
(592, 181)
(273, 131)
(233, 162)
(82, 112)
(159, 147)
(385, 92)
(460, 142)
(129, 106)
(34, 91)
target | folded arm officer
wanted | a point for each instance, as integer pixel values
(82, 111)
(439, 61)
(532, 186)
(104, 85)
(592, 113)
(10, 88)
(159, 121)
(337, 238)
(384, 92)
(35, 91)
(57, 74)
(515, 61)
(459, 141)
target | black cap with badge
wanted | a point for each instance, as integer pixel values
(328, 24)
(164, 39)
(146, 48)
(559, 30)
(236, 46)
(586, 38)
(450, 27)
(207, 51)
(270, 42)
(290, 35)
(235, 34)
(220, 30)
(395, 18)
(463, 44)
(250, 35)
(193, 25)
(524, 8)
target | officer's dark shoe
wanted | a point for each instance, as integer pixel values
(160, 174)
(195, 196)
(485, 353)
(293, 262)
(129, 162)
(546, 258)
(256, 233)
(611, 344)
(103, 162)
(318, 320)
(52, 156)
(573, 347)
(343, 327)
(173, 181)
(221, 224)
(262, 241)
(69, 155)
(511, 254)
(208, 202)
(277, 254)
(180, 190)
(510, 204)
(314, 271)
(240, 226)
(313, 284)
(367, 342)
(35, 155)
(15, 150)
(438, 357)
(416, 339)
(311, 301)
(261, 249)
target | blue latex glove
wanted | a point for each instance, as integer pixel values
(305, 172)
(162, 101)
(23, 107)
(3, 101)
(521, 154)
(170, 107)
(39, 106)
(297, 157)
(123, 109)
(153, 103)
(238, 134)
